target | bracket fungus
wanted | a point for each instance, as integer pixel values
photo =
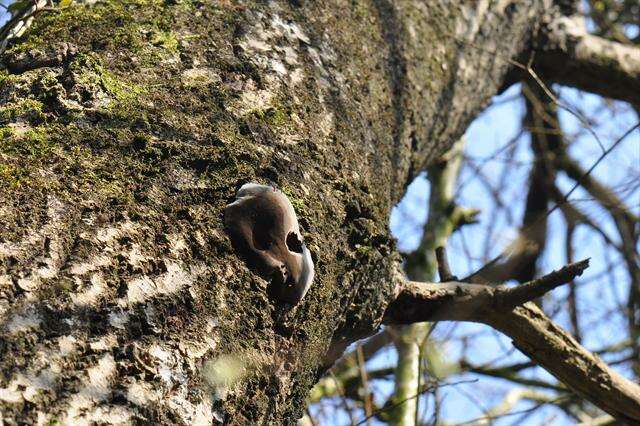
(263, 228)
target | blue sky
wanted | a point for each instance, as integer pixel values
(4, 15)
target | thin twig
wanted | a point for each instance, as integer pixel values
(511, 297)
(443, 265)
(365, 381)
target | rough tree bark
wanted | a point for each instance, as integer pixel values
(126, 128)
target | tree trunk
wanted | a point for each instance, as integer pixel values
(126, 128)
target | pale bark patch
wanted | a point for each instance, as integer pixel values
(95, 389)
(144, 288)
(49, 235)
(91, 295)
(24, 321)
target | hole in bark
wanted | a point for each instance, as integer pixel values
(293, 243)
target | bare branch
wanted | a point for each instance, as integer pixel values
(532, 332)
(514, 296)
(577, 58)
(20, 20)
(443, 265)
(368, 406)
(459, 301)
(561, 355)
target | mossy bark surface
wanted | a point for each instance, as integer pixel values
(127, 126)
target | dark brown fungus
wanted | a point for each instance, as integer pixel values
(263, 228)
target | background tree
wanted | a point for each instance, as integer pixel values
(128, 125)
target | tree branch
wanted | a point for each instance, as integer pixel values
(443, 265)
(459, 301)
(532, 332)
(576, 58)
(515, 296)
(511, 375)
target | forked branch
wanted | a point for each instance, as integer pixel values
(508, 309)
